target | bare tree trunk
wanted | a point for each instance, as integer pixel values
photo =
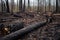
(1, 6)
(12, 4)
(56, 5)
(33, 5)
(38, 6)
(17, 6)
(49, 4)
(20, 5)
(45, 6)
(59, 5)
(40, 3)
(7, 4)
(24, 6)
(28, 3)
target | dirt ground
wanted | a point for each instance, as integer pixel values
(44, 33)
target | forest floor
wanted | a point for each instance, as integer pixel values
(27, 18)
(47, 32)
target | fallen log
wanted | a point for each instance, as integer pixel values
(6, 19)
(57, 14)
(16, 26)
(30, 15)
(17, 15)
(16, 35)
(12, 27)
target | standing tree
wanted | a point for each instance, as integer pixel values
(24, 6)
(56, 5)
(12, 5)
(17, 5)
(49, 4)
(20, 5)
(7, 5)
(41, 5)
(1, 6)
(44, 2)
(38, 6)
(28, 3)
(59, 5)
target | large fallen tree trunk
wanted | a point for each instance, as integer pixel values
(16, 35)
(16, 26)
(11, 27)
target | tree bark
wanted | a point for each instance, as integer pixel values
(12, 5)
(24, 6)
(28, 3)
(7, 4)
(56, 5)
(2, 6)
(45, 6)
(38, 6)
(20, 5)
(49, 4)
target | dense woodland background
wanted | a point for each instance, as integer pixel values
(29, 5)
